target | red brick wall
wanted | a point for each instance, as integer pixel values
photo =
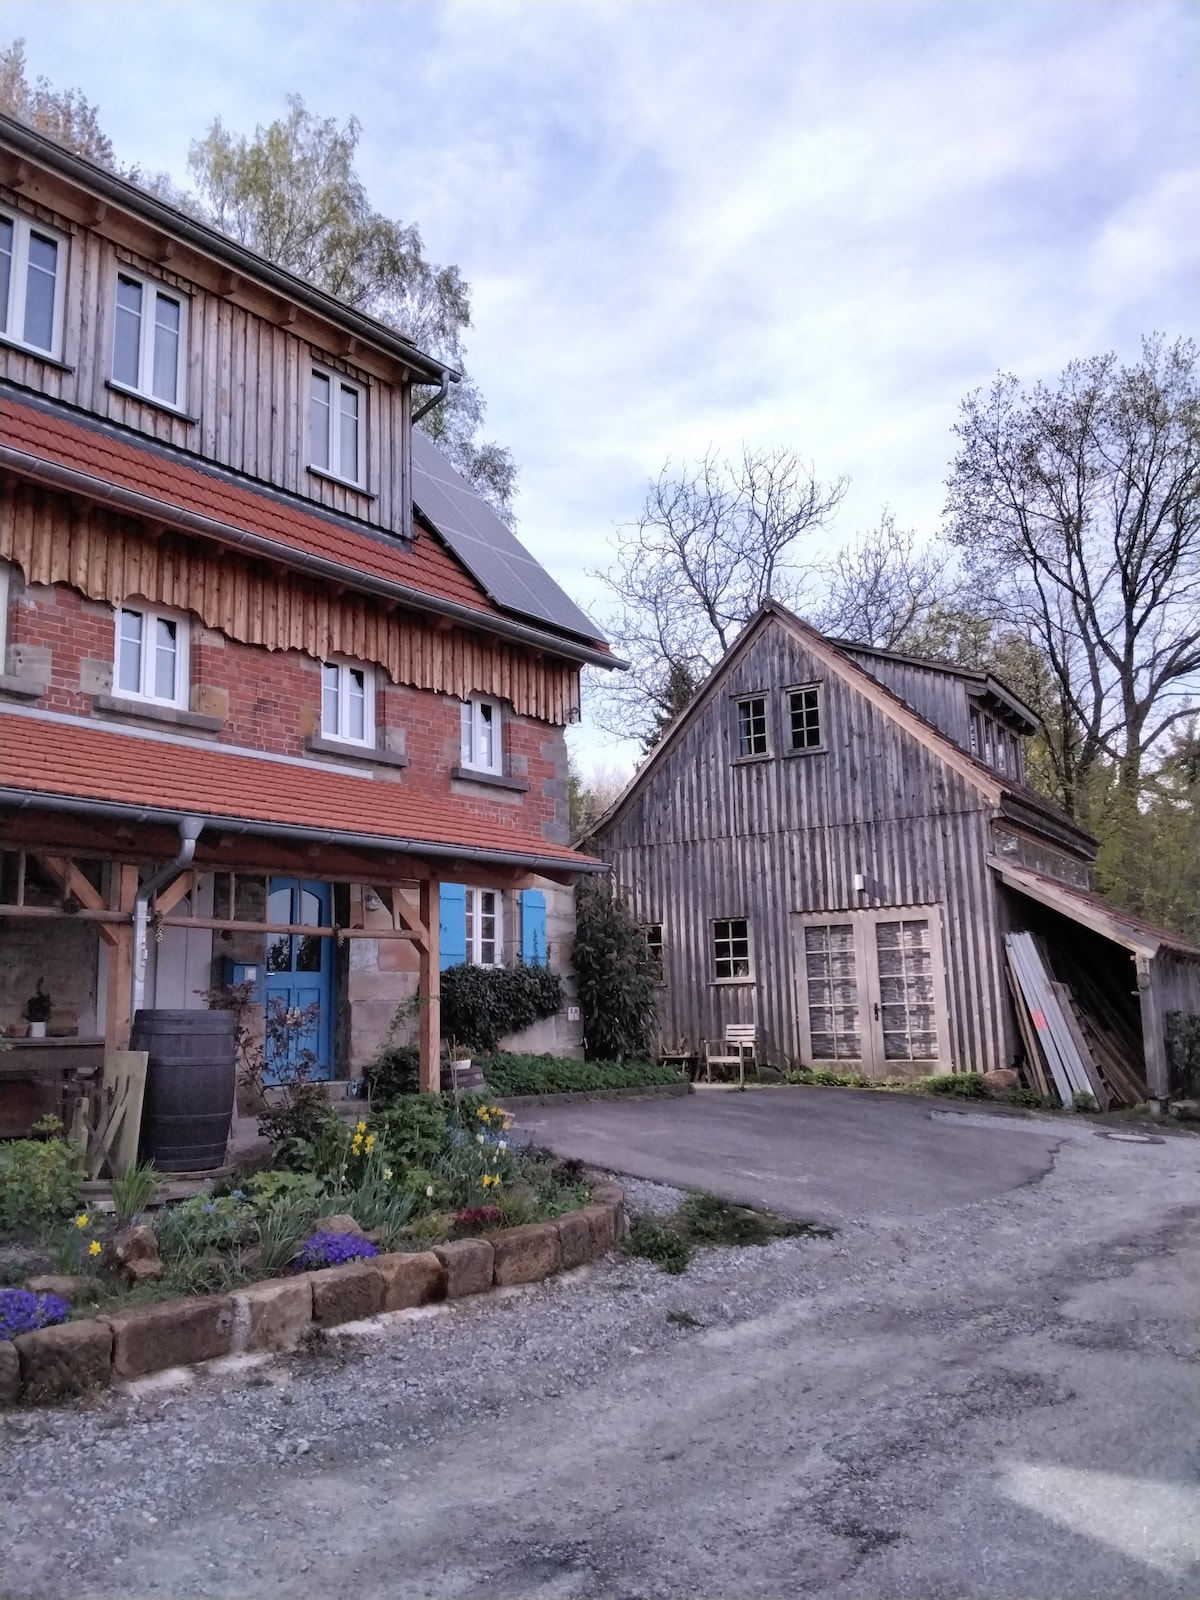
(270, 700)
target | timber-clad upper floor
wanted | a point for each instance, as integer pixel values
(118, 305)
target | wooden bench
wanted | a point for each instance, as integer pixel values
(738, 1046)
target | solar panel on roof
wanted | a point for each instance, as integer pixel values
(494, 556)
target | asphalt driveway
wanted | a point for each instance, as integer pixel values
(827, 1154)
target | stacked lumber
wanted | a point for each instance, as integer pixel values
(1076, 1040)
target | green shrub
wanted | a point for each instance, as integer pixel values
(1022, 1096)
(481, 1005)
(1081, 1100)
(617, 972)
(707, 1220)
(508, 1073)
(414, 1131)
(963, 1085)
(133, 1190)
(394, 1071)
(39, 1182)
(657, 1242)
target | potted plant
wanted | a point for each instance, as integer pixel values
(37, 1012)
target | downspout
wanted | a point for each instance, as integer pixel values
(190, 829)
(437, 399)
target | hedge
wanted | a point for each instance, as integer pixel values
(506, 1073)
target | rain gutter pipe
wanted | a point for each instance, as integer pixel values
(190, 829)
(434, 400)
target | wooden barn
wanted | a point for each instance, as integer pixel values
(831, 845)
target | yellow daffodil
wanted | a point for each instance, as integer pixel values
(94, 1248)
(82, 1220)
(360, 1126)
(370, 1143)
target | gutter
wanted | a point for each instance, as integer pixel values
(210, 242)
(53, 475)
(26, 799)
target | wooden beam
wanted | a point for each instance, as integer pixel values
(168, 898)
(165, 251)
(118, 1018)
(228, 283)
(316, 931)
(404, 915)
(72, 881)
(429, 990)
(95, 211)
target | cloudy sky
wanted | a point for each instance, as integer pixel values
(816, 224)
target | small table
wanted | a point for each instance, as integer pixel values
(687, 1061)
(70, 1065)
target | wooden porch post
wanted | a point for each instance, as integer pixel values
(428, 988)
(1154, 1045)
(118, 1018)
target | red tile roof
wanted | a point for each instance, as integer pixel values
(107, 766)
(427, 565)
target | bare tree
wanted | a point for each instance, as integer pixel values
(885, 586)
(64, 115)
(713, 541)
(1078, 510)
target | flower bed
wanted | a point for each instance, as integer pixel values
(405, 1179)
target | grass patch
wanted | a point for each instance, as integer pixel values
(683, 1319)
(706, 1220)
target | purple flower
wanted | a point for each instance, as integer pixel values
(332, 1250)
(22, 1311)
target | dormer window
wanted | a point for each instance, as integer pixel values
(149, 339)
(996, 745)
(32, 281)
(336, 411)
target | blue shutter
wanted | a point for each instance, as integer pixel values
(452, 922)
(533, 928)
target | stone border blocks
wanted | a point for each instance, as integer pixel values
(77, 1357)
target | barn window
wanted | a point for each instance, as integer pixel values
(654, 943)
(481, 747)
(731, 948)
(804, 715)
(752, 726)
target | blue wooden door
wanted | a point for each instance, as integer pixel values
(299, 981)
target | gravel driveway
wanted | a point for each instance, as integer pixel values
(997, 1398)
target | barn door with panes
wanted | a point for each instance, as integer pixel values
(872, 991)
(905, 1012)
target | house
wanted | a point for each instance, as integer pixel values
(831, 843)
(281, 700)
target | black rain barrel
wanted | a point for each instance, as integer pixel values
(191, 1083)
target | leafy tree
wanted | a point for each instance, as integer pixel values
(590, 795)
(1077, 508)
(712, 543)
(617, 974)
(292, 193)
(64, 115)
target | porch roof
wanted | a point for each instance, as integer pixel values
(1092, 911)
(61, 763)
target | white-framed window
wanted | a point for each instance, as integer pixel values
(151, 656)
(481, 742)
(337, 410)
(348, 703)
(731, 948)
(804, 717)
(752, 737)
(149, 338)
(653, 932)
(33, 275)
(485, 927)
